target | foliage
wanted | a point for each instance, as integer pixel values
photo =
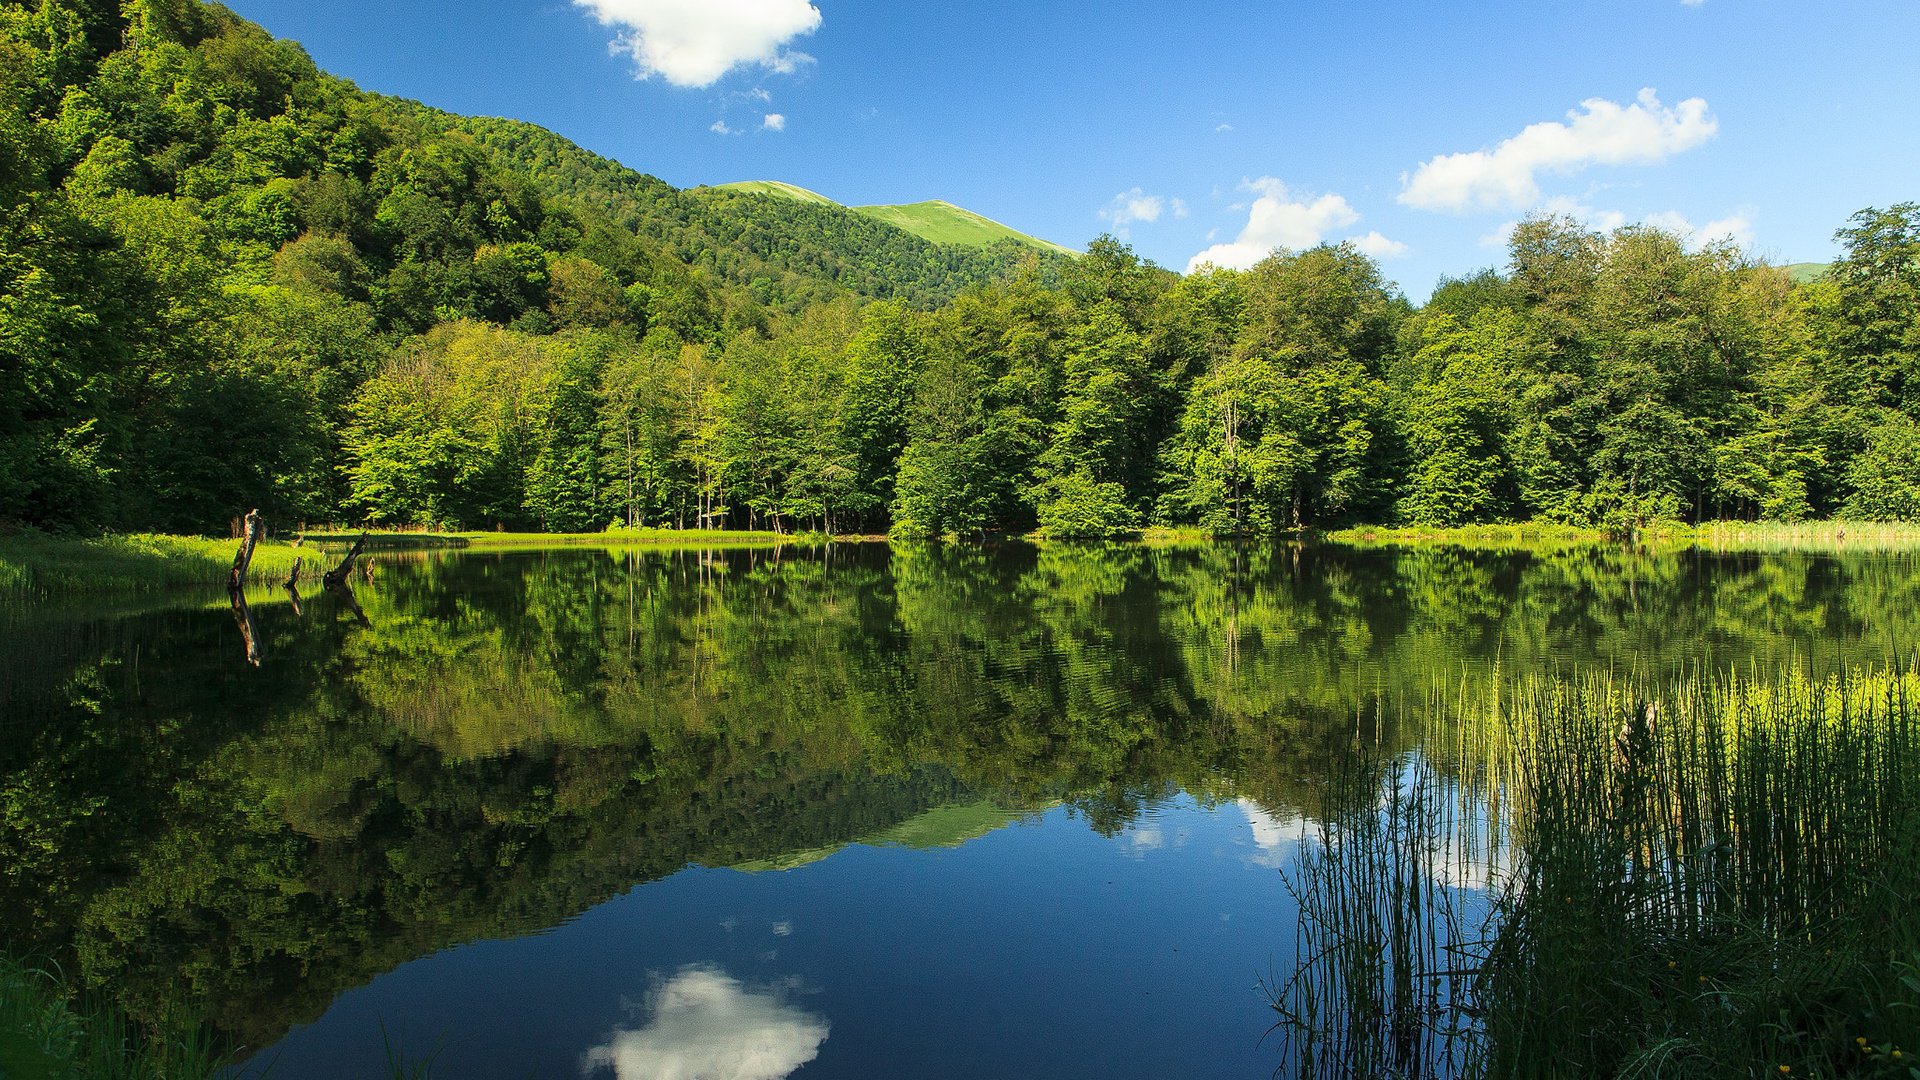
(231, 280)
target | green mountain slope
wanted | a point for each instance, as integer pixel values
(944, 223)
(1806, 271)
(776, 188)
(935, 221)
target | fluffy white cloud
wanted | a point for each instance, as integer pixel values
(774, 122)
(695, 42)
(1599, 132)
(1131, 206)
(706, 1026)
(1737, 227)
(720, 128)
(1380, 247)
(1280, 219)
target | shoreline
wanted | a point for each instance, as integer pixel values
(37, 565)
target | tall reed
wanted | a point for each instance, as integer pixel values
(1705, 876)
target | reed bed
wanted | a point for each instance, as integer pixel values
(1705, 876)
(1815, 536)
(43, 1034)
(34, 565)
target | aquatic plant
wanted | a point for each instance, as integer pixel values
(1709, 876)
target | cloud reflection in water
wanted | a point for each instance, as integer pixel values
(706, 1026)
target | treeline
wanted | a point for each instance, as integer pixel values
(1606, 380)
(234, 281)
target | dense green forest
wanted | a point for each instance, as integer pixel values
(230, 280)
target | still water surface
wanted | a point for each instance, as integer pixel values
(848, 812)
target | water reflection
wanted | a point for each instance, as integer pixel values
(505, 741)
(705, 1025)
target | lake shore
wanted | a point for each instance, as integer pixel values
(38, 564)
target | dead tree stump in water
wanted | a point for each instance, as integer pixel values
(338, 581)
(237, 586)
(344, 571)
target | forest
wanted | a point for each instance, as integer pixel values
(228, 280)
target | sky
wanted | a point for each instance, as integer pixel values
(1206, 131)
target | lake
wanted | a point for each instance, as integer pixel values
(845, 811)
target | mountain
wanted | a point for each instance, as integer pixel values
(935, 221)
(1806, 271)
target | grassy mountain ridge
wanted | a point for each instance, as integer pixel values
(935, 220)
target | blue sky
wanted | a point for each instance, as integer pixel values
(1206, 129)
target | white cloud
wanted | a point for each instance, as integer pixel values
(1276, 837)
(1278, 219)
(695, 42)
(1223, 129)
(720, 128)
(1737, 227)
(1136, 205)
(774, 122)
(706, 1026)
(1600, 132)
(1379, 247)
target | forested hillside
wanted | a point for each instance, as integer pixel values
(208, 247)
(230, 280)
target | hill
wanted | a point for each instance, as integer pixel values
(1806, 271)
(192, 212)
(935, 221)
(778, 189)
(944, 223)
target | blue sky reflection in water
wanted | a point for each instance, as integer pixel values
(1040, 949)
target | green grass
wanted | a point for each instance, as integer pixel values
(941, 222)
(389, 540)
(45, 1036)
(1759, 536)
(935, 221)
(49, 1032)
(1726, 892)
(1807, 536)
(1526, 534)
(777, 189)
(34, 564)
(1806, 271)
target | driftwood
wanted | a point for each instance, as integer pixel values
(338, 581)
(342, 572)
(243, 559)
(237, 587)
(292, 585)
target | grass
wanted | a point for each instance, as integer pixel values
(48, 1032)
(1807, 536)
(1722, 887)
(935, 221)
(1529, 534)
(391, 539)
(777, 189)
(941, 222)
(44, 1035)
(1759, 536)
(33, 564)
